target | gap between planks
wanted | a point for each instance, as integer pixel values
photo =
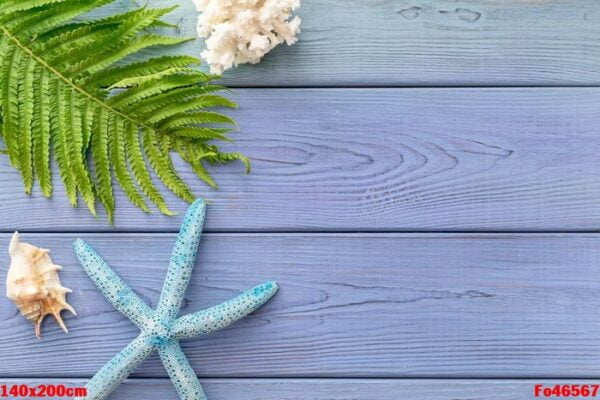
(346, 233)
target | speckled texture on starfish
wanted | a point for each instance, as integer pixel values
(161, 329)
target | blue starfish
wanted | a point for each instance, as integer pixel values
(161, 329)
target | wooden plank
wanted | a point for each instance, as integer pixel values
(381, 160)
(350, 305)
(424, 42)
(327, 389)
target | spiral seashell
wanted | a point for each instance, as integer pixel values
(33, 284)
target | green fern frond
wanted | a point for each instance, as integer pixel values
(99, 145)
(25, 140)
(41, 126)
(163, 166)
(116, 138)
(138, 165)
(109, 78)
(224, 158)
(57, 98)
(194, 155)
(204, 133)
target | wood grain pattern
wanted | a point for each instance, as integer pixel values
(350, 305)
(330, 389)
(381, 160)
(424, 43)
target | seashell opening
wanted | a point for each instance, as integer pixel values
(33, 284)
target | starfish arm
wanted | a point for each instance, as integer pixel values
(112, 287)
(118, 369)
(224, 314)
(182, 261)
(181, 373)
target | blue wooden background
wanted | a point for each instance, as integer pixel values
(426, 190)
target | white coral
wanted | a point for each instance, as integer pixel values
(243, 31)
